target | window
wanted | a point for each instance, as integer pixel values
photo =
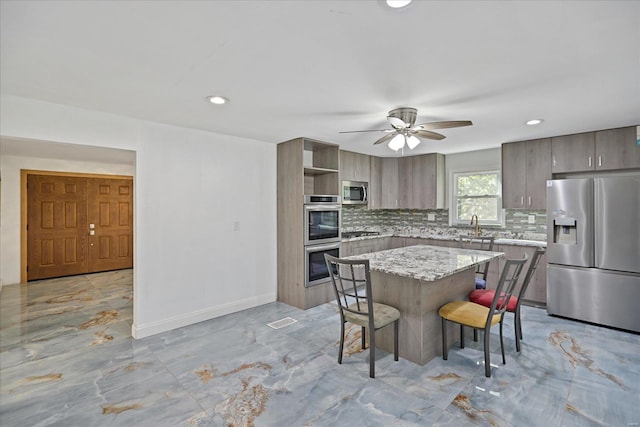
(477, 193)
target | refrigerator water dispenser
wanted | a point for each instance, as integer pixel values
(565, 231)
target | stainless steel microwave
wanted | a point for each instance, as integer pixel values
(354, 193)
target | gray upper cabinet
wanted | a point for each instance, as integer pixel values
(383, 182)
(405, 182)
(611, 149)
(416, 182)
(428, 182)
(354, 166)
(526, 167)
(389, 183)
(573, 153)
(617, 149)
(375, 182)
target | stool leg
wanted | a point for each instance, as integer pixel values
(487, 354)
(372, 353)
(395, 340)
(444, 339)
(341, 343)
(504, 361)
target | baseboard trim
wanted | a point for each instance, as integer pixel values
(153, 328)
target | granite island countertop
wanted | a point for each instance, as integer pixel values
(425, 262)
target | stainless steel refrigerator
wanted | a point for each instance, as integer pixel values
(593, 250)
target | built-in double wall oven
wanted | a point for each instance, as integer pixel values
(322, 216)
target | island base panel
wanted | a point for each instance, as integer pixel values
(420, 334)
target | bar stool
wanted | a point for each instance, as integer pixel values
(351, 281)
(485, 296)
(476, 316)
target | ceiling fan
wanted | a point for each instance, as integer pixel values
(404, 131)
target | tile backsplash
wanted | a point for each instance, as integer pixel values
(361, 218)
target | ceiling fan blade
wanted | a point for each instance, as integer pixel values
(396, 122)
(385, 138)
(428, 134)
(442, 125)
(371, 130)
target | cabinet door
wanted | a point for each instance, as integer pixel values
(537, 290)
(405, 183)
(513, 175)
(354, 166)
(538, 171)
(347, 249)
(362, 167)
(389, 184)
(617, 149)
(425, 182)
(375, 182)
(573, 153)
(347, 166)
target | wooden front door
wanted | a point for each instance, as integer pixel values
(78, 225)
(110, 218)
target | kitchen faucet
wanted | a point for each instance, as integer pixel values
(477, 229)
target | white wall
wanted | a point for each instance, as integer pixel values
(190, 188)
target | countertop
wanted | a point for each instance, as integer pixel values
(448, 237)
(426, 262)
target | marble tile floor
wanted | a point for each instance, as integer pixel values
(67, 359)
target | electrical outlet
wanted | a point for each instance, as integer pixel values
(431, 217)
(532, 219)
(236, 225)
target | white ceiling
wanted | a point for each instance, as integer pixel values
(314, 68)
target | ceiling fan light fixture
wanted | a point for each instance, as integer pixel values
(397, 142)
(412, 142)
(534, 122)
(397, 4)
(217, 99)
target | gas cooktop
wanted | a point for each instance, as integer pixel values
(352, 234)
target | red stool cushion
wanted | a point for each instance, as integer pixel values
(485, 297)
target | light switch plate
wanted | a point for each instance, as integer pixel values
(532, 219)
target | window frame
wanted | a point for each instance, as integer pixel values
(453, 210)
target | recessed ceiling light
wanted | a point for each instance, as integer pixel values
(218, 100)
(534, 122)
(397, 4)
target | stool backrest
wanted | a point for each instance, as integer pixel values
(535, 260)
(351, 281)
(479, 243)
(506, 285)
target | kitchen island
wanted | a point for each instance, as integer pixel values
(418, 280)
